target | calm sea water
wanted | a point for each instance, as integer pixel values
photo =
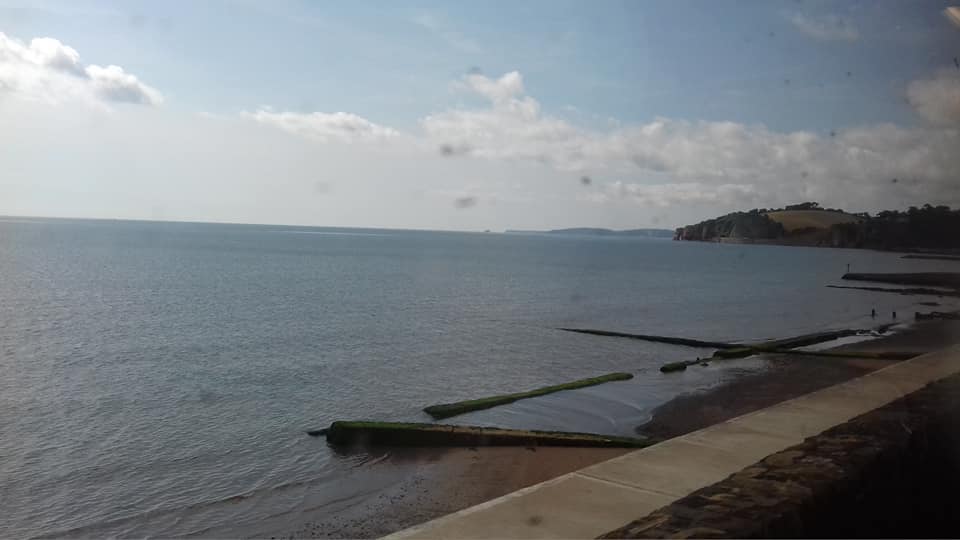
(157, 378)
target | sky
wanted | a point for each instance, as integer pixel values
(475, 115)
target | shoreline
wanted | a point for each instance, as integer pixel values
(790, 376)
(484, 473)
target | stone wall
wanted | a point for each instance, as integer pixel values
(893, 472)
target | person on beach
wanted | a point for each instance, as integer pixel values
(873, 313)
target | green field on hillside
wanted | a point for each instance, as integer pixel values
(803, 219)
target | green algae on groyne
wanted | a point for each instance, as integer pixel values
(787, 343)
(446, 410)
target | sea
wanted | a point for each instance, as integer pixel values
(157, 379)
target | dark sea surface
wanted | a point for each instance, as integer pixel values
(157, 378)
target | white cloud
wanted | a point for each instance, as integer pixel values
(111, 83)
(669, 161)
(48, 52)
(48, 71)
(826, 28)
(682, 193)
(512, 128)
(499, 91)
(937, 99)
(325, 127)
(521, 166)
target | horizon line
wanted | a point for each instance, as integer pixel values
(399, 229)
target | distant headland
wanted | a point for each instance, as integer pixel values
(593, 231)
(927, 228)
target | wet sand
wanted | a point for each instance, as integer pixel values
(446, 480)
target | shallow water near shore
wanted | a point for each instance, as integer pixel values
(158, 378)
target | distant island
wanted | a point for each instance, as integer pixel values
(593, 231)
(928, 228)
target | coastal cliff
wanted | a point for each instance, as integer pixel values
(808, 224)
(739, 225)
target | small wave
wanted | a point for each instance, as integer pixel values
(94, 528)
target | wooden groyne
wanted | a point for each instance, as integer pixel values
(658, 339)
(925, 279)
(680, 366)
(446, 410)
(910, 291)
(933, 257)
(783, 344)
(877, 355)
(946, 315)
(724, 350)
(413, 434)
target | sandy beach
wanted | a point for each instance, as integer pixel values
(447, 480)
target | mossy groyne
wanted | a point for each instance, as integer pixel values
(880, 355)
(680, 366)
(414, 434)
(724, 350)
(786, 343)
(782, 346)
(446, 410)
